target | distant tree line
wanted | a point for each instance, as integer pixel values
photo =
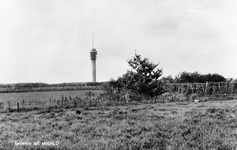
(144, 78)
(40, 84)
(194, 77)
(38, 87)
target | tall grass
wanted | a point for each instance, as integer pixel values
(123, 128)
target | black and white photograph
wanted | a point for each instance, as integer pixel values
(118, 75)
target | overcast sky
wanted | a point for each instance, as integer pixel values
(50, 40)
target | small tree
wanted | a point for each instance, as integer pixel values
(142, 79)
(167, 79)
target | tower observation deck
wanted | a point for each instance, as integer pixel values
(93, 54)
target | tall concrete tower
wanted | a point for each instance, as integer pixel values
(93, 54)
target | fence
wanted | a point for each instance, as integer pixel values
(64, 102)
(92, 100)
(209, 88)
(204, 89)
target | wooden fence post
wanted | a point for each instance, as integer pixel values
(61, 101)
(9, 105)
(219, 85)
(17, 107)
(62, 98)
(45, 104)
(232, 88)
(66, 101)
(227, 87)
(182, 88)
(75, 103)
(214, 89)
(30, 102)
(1, 106)
(206, 88)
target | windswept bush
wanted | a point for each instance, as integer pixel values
(142, 79)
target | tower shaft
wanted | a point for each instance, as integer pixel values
(93, 62)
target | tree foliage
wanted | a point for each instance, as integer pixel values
(142, 78)
(167, 79)
(188, 77)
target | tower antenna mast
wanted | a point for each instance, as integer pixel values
(92, 40)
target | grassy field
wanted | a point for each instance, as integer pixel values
(16, 97)
(183, 125)
(42, 100)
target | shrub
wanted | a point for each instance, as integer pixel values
(142, 79)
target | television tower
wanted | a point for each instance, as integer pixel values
(93, 54)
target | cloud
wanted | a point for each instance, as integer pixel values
(49, 41)
(196, 12)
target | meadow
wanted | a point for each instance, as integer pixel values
(4, 97)
(37, 98)
(172, 125)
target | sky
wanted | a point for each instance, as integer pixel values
(50, 40)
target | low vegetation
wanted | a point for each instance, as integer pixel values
(183, 125)
(133, 112)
